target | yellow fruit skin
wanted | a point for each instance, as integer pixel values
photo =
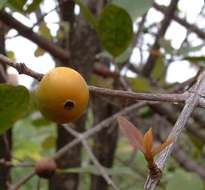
(58, 86)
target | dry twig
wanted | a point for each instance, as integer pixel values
(22, 181)
(191, 103)
(99, 167)
(157, 97)
(27, 32)
(97, 128)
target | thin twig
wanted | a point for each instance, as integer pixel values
(192, 27)
(97, 128)
(28, 33)
(191, 103)
(7, 145)
(10, 164)
(22, 181)
(192, 99)
(168, 16)
(38, 184)
(175, 98)
(99, 167)
(169, 97)
(20, 67)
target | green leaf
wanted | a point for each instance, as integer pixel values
(11, 55)
(185, 180)
(33, 6)
(45, 31)
(87, 13)
(197, 144)
(140, 84)
(49, 142)
(166, 44)
(124, 57)
(145, 112)
(39, 52)
(21, 5)
(3, 3)
(14, 103)
(115, 29)
(135, 8)
(185, 50)
(28, 150)
(195, 59)
(17, 5)
(97, 80)
(41, 122)
(29, 138)
(159, 71)
(63, 30)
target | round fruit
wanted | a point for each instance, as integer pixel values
(62, 95)
(45, 168)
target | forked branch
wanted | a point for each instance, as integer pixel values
(193, 100)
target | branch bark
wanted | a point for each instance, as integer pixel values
(168, 16)
(105, 142)
(24, 180)
(26, 32)
(82, 58)
(20, 67)
(153, 97)
(191, 103)
(5, 139)
(193, 28)
(170, 114)
(103, 124)
(97, 164)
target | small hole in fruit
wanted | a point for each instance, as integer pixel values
(69, 105)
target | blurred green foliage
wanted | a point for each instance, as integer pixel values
(34, 137)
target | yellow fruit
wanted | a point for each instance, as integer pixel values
(62, 95)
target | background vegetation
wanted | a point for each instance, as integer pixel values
(114, 45)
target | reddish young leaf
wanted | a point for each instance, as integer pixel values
(133, 134)
(161, 147)
(148, 143)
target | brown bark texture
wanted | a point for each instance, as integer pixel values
(82, 43)
(5, 139)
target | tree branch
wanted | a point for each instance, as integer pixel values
(179, 98)
(183, 22)
(178, 153)
(168, 16)
(26, 32)
(99, 167)
(171, 115)
(22, 181)
(103, 124)
(175, 98)
(191, 103)
(20, 67)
